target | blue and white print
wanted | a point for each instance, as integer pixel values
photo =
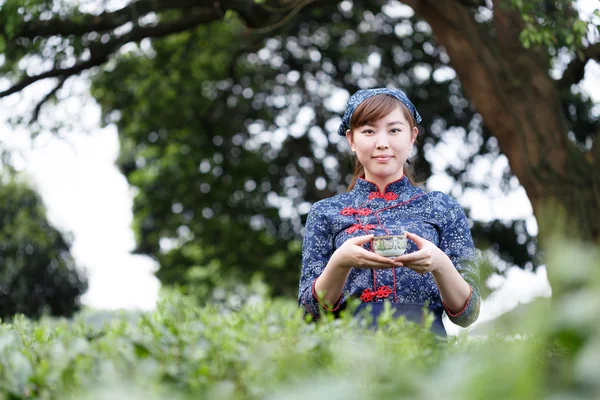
(366, 209)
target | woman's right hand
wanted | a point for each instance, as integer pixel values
(352, 254)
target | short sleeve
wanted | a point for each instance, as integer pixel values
(317, 249)
(457, 242)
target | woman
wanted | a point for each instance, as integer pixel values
(438, 268)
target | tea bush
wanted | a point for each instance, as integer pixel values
(263, 349)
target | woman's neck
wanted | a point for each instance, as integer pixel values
(382, 182)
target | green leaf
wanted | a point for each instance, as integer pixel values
(569, 39)
(580, 27)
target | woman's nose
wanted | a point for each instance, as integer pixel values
(382, 141)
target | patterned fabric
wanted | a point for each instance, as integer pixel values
(401, 206)
(364, 94)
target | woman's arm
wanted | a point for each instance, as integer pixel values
(454, 290)
(452, 265)
(317, 249)
(329, 285)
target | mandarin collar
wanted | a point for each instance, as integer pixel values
(365, 186)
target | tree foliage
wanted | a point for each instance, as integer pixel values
(227, 140)
(227, 112)
(37, 272)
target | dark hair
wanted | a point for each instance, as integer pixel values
(369, 111)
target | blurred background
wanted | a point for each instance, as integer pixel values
(157, 145)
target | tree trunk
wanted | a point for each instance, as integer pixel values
(519, 102)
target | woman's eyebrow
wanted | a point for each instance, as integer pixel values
(388, 124)
(395, 122)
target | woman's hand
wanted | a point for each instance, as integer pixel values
(352, 254)
(428, 257)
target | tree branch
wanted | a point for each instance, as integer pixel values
(55, 73)
(105, 21)
(472, 3)
(283, 8)
(38, 107)
(576, 68)
(290, 15)
(256, 17)
(101, 53)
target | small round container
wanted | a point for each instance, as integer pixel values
(389, 246)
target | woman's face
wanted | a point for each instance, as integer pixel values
(383, 146)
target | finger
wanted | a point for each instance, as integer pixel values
(419, 266)
(361, 239)
(419, 241)
(369, 255)
(371, 260)
(377, 265)
(373, 264)
(419, 269)
(413, 257)
(397, 261)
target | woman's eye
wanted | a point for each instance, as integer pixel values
(368, 131)
(395, 130)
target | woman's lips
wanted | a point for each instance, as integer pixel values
(383, 158)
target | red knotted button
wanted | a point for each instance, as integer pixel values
(383, 292)
(367, 295)
(347, 211)
(355, 227)
(389, 196)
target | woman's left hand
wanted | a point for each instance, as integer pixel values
(427, 258)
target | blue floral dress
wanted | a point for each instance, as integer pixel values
(401, 206)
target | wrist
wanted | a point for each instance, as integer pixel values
(444, 266)
(337, 264)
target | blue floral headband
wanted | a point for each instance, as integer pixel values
(362, 95)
